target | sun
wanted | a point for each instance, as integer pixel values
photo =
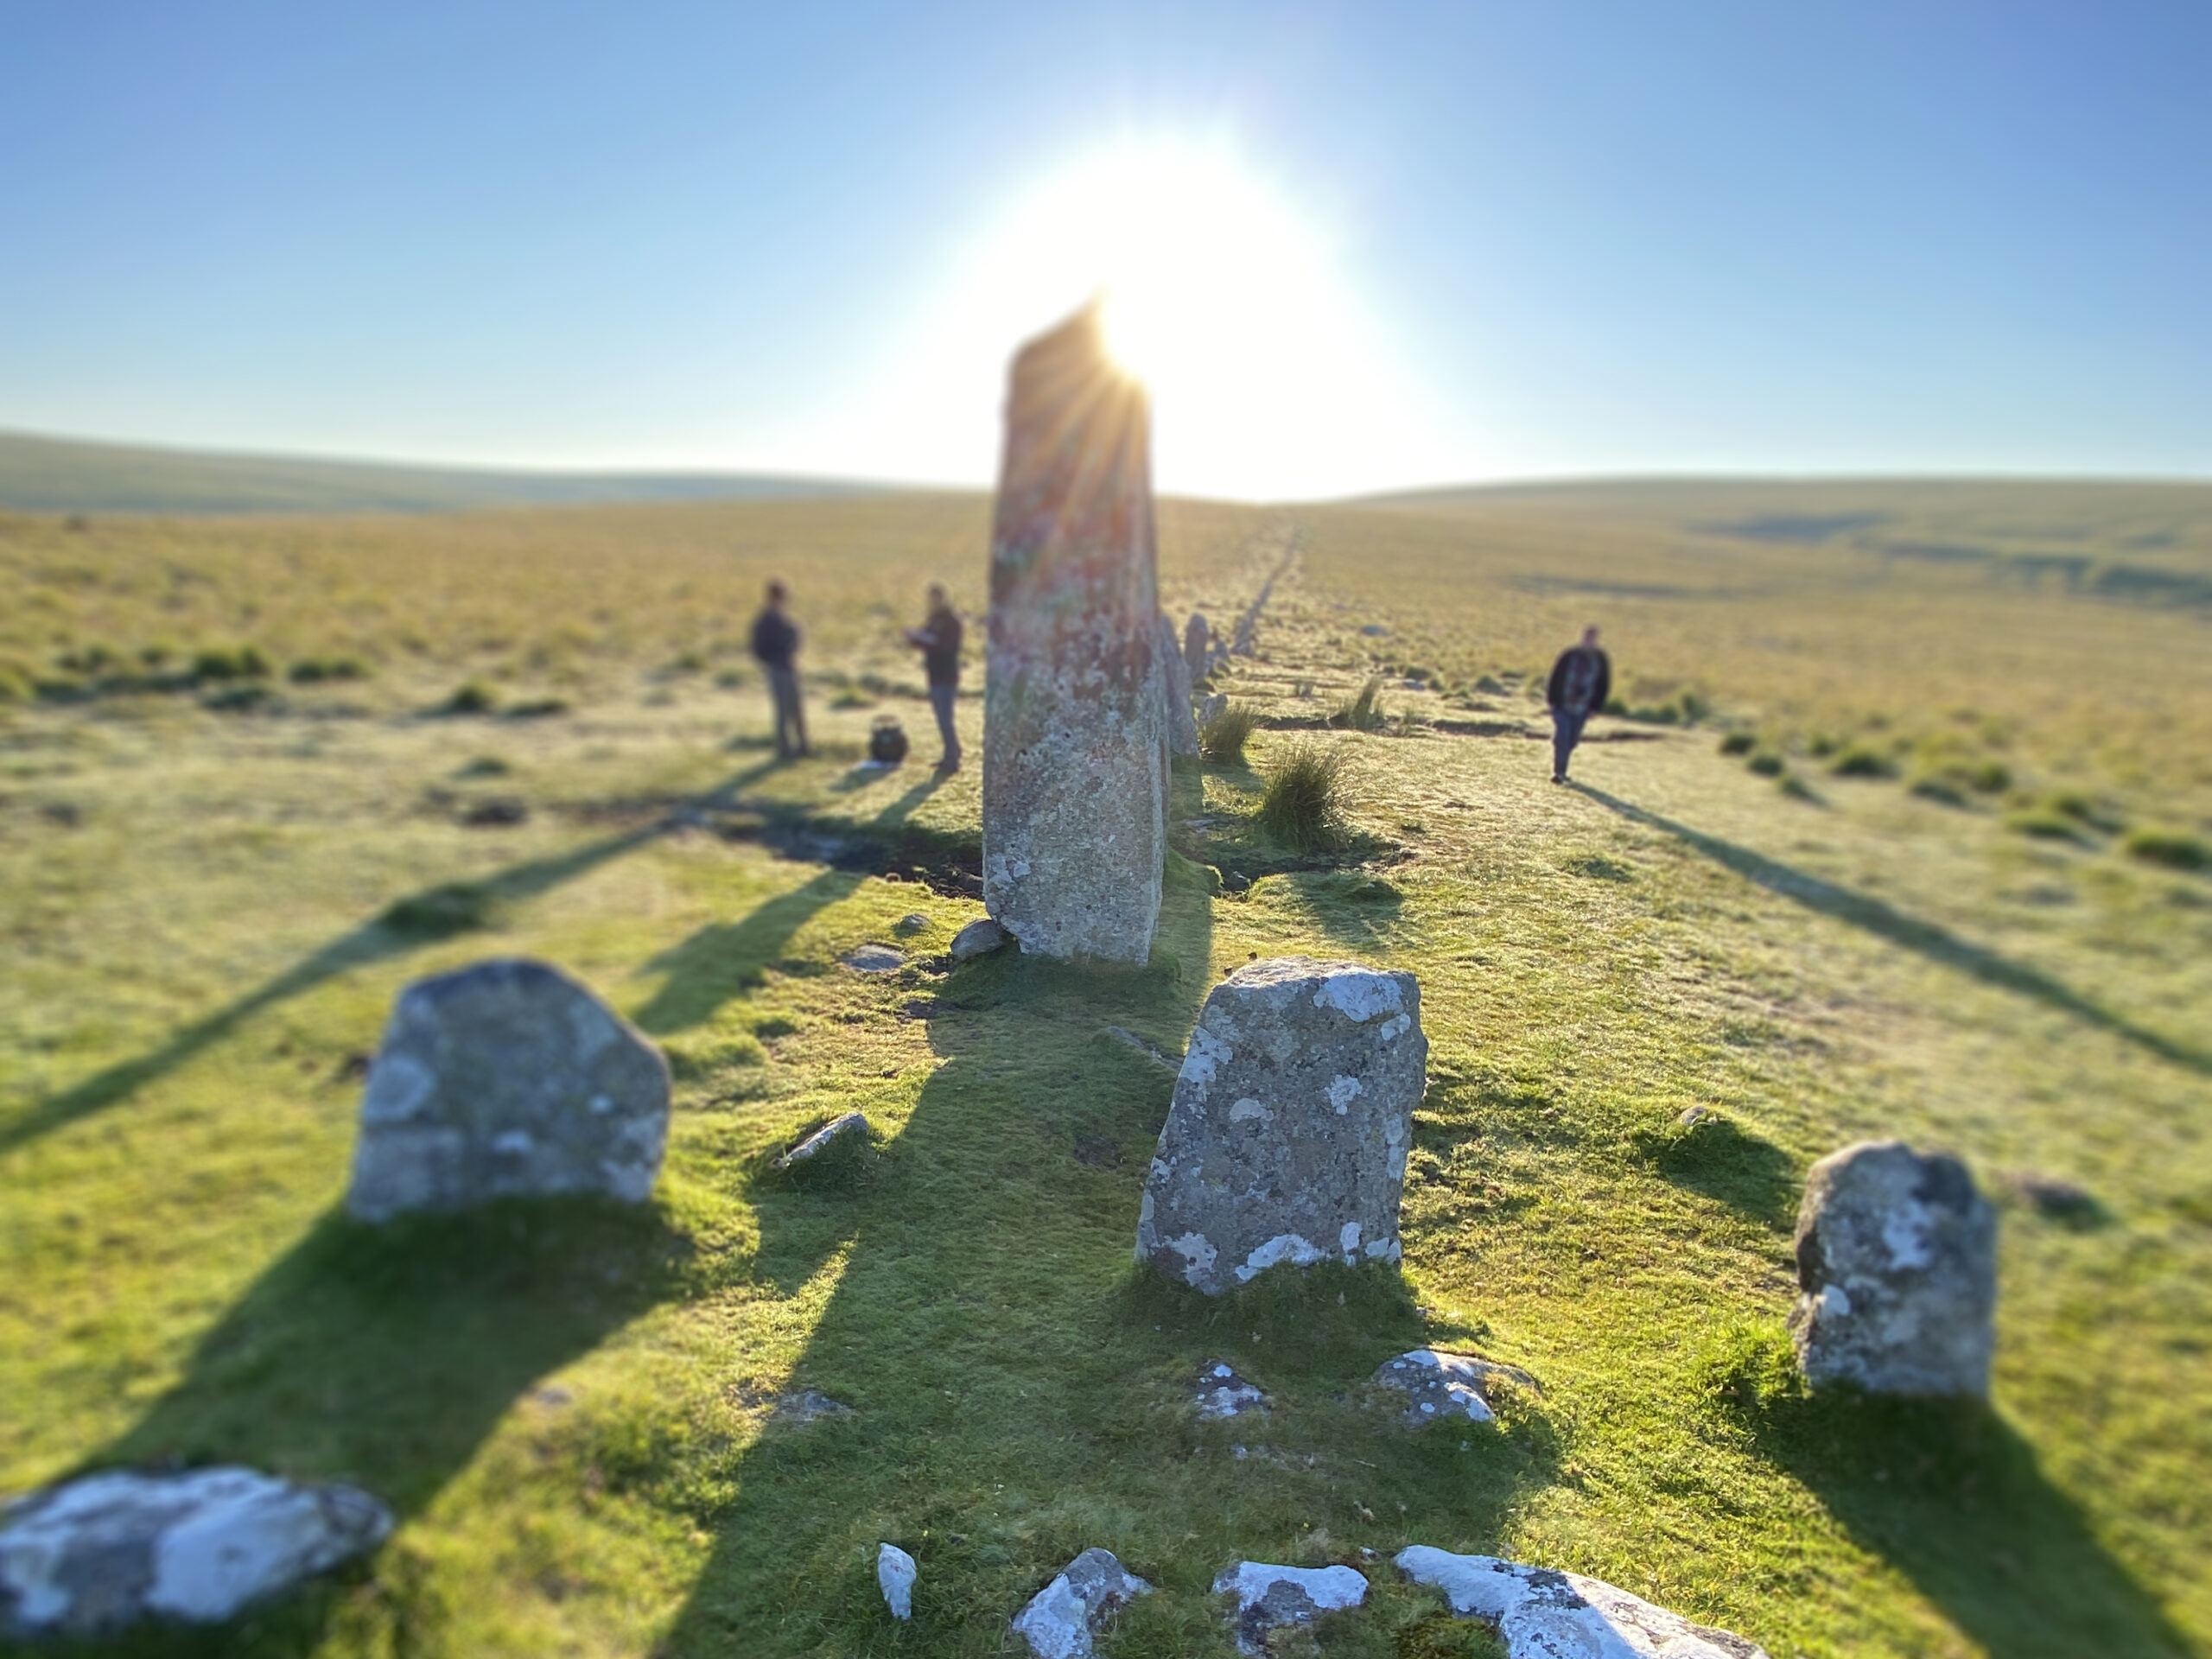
(1218, 287)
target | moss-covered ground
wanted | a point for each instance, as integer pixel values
(210, 902)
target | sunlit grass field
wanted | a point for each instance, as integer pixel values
(1882, 841)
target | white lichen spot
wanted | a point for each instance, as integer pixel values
(1347, 1240)
(1197, 1250)
(1376, 1247)
(514, 1143)
(1397, 1027)
(1247, 1109)
(1360, 996)
(1834, 1302)
(1293, 1247)
(1207, 1055)
(1343, 1091)
(399, 1086)
(1904, 1234)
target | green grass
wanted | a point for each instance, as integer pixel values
(1223, 738)
(208, 913)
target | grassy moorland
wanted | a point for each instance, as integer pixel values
(1884, 843)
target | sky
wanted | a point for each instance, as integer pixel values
(1362, 246)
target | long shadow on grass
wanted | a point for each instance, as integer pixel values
(1886, 921)
(1751, 1176)
(1021, 1392)
(384, 1356)
(422, 918)
(1952, 1496)
(724, 959)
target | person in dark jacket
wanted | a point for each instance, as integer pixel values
(938, 641)
(775, 643)
(1582, 681)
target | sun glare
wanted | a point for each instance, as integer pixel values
(1217, 291)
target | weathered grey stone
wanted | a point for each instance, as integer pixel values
(1436, 1386)
(1222, 1394)
(912, 922)
(1292, 1114)
(1074, 762)
(1215, 706)
(979, 938)
(1270, 1598)
(874, 959)
(1897, 1273)
(850, 1130)
(1182, 726)
(1062, 1617)
(895, 1576)
(110, 1548)
(1539, 1613)
(508, 1077)
(1197, 658)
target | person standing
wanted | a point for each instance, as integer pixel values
(1581, 680)
(775, 643)
(938, 641)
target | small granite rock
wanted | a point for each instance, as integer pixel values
(895, 1576)
(109, 1549)
(1222, 1394)
(1062, 1617)
(506, 1078)
(1270, 1598)
(808, 1406)
(836, 1134)
(874, 959)
(1897, 1273)
(912, 922)
(1539, 1613)
(1437, 1386)
(979, 938)
(1291, 1117)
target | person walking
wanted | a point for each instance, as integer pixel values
(938, 641)
(1581, 680)
(775, 643)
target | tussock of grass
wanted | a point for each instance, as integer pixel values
(2176, 849)
(1863, 760)
(1221, 739)
(470, 697)
(1739, 742)
(1303, 806)
(1362, 711)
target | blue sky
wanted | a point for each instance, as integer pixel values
(1528, 239)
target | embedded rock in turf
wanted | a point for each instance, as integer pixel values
(874, 959)
(508, 1077)
(1539, 1613)
(979, 938)
(109, 1549)
(1075, 766)
(1182, 725)
(1270, 1598)
(895, 1576)
(1436, 1386)
(1060, 1620)
(808, 1406)
(1897, 1273)
(850, 1130)
(1292, 1114)
(1224, 1393)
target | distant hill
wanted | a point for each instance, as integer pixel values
(42, 475)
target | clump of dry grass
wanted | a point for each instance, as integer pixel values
(1221, 739)
(1303, 806)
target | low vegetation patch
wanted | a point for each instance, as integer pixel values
(2176, 849)
(1304, 804)
(1222, 737)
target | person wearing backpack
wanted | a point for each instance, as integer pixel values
(938, 641)
(1581, 680)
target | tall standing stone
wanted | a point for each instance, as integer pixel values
(1897, 1273)
(1198, 647)
(1074, 754)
